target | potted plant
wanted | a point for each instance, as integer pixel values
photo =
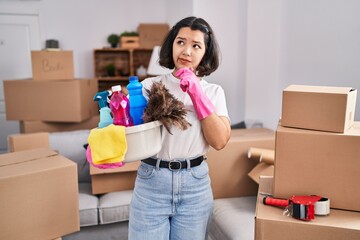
(113, 39)
(129, 34)
(110, 70)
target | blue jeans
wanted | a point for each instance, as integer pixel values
(175, 205)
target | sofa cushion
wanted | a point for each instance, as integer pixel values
(233, 218)
(88, 206)
(71, 145)
(114, 207)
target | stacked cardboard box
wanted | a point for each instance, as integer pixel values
(112, 180)
(229, 167)
(52, 65)
(103, 180)
(322, 163)
(317, 148)
(319, 108)
(42, 126)
(39, 195)
(272, 224)
(53, 95)
(316, 153)
(152, 34)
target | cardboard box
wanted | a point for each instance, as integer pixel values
(272, 224)
(260, 170)
(54, 101)
(39, 195)
(265, 159)
(319, 108)
(52, 65)
(311, 162)
(112, 180)
(152, 35)
(130, 41)
(229, 167)
(21, 142)
(41, 126)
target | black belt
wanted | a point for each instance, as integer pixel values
(174, 164)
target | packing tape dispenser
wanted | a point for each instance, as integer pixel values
(301, 207)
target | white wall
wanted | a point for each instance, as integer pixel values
(176, 10)
(266, 44)
(262, 61)
(313, 42)
(228, 20)
(82, 25)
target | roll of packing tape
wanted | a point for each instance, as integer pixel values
(322, 207)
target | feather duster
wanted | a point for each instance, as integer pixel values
(164, 107)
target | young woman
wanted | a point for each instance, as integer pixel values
(172, 197)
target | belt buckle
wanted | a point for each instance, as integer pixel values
(174, 165)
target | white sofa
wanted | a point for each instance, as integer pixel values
(105, 216)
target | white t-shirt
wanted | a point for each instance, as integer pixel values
(191, 142)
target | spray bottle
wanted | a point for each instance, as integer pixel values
(120, 107)
(105, 116)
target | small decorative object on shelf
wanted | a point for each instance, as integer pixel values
(141, 71)
(110, 70)
(52, 45)
(113, 39)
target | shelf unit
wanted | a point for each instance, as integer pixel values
(125, 60)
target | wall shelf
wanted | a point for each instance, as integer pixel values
(125, 60)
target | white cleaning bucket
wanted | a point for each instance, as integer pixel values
(143, 141)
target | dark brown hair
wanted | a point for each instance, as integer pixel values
(209, 62)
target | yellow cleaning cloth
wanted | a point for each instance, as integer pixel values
(108, 144)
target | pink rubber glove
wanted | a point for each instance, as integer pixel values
(190, 83)
(101, 166)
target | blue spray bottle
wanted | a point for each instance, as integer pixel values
(105, 113)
